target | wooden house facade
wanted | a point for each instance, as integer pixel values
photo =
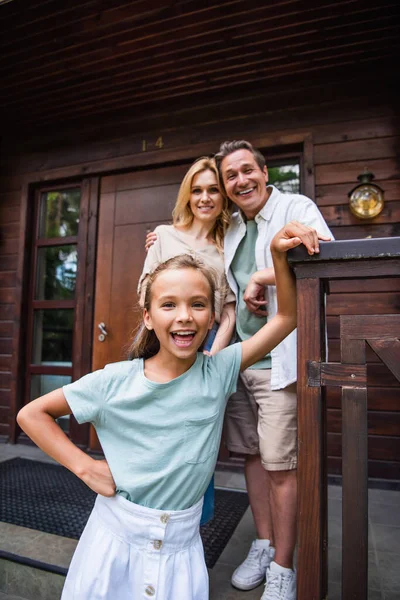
(104, 106)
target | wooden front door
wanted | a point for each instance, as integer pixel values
(130, 205)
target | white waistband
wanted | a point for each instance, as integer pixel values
(149, 528)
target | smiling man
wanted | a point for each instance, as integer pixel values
(261, 417)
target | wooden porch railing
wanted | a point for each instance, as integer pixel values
(353, 259)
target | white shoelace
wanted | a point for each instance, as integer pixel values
(274, 586)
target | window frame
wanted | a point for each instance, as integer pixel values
(82, 302)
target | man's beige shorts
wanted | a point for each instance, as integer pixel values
(261, 421)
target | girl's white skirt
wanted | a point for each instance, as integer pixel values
(130, 552)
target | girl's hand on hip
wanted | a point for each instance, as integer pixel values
(98, 477)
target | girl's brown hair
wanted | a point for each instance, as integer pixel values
(182, 214)
(146, 344)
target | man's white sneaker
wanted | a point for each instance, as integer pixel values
(252, 571)
(280, 584)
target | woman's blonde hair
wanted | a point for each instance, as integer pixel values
(182, 213)
(145, 343)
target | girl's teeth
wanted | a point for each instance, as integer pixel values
(183, 336)
(183, 339)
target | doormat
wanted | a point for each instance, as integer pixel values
(50, 498)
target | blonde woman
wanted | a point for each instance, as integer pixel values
(200, 219)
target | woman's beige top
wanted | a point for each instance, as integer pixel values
(171, 242)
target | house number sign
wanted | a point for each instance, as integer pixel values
(158, 144)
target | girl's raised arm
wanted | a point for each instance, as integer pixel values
(283, 323)
(37, 419)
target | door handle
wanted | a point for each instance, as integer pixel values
(103, 332)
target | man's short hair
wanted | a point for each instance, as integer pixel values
(227, 148)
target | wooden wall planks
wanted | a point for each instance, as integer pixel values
(58, 60)
(9, 233)
(342, 147)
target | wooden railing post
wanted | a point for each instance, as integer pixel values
(354, 477)
(338, 260)
(310, 480)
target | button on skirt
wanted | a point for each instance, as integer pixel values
(130, 552)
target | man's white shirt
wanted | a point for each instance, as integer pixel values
(279, 209)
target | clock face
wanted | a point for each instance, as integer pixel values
(366, 201)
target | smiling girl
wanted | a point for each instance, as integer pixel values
(200, 218)
(159, 419)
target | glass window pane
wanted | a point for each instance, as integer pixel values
(56, 272)
(43, 384)
(59, 213)
(64, 423)
(52, 337)
(285, 177)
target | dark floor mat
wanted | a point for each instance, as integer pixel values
(50, 498)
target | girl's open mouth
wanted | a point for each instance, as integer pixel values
(183, 339)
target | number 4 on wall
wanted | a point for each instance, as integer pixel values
(159, 144)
